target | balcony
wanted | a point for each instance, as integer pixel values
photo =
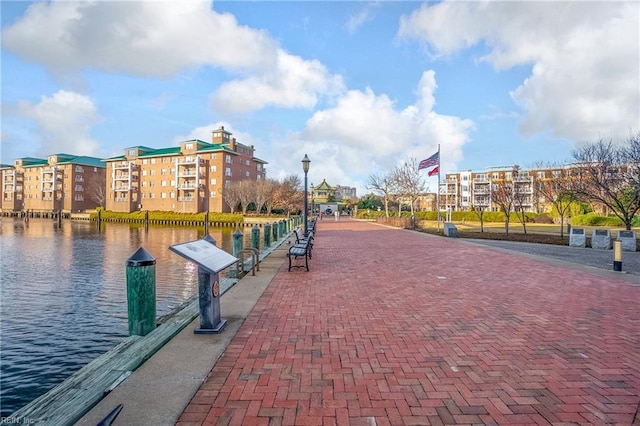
(187, 199)
(187, 186)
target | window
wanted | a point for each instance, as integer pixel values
(163, 183)
(152, 172)
(144, 161)
(144, 183)
(213, 169)
(172, 195)
(213, 156)
(213, 194)
(79, 169)
(214, 181)
(163, 172)
(144, 173)
(151, 195)
(163, 195)
(246, 174)
(540, 175)
(164, 160)
(227, 159)
(227, 172)
(132, 152)
(247, 162)
(507, 175)
(259, 167)
(153, 161)
(188, 146)
(173, 183)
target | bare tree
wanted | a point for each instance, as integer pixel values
(231, 196)
(408, 182)
(288, 195)
(557, 191)
(264, 194)
(382, 185)
(520, 200)
(502, 196)
(97, 189)
(479, 212)
(246, 193)
(607, 174)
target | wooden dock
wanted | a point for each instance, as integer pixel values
(67, 402)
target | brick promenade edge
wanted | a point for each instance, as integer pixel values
(393, 327)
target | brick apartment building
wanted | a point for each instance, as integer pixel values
(61, 182)
(189, 178)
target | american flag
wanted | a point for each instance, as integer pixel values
(434, 160)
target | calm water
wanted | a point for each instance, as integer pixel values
(63, 295)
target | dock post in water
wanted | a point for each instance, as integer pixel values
(255, 237)
(141, 292)
(267, 235)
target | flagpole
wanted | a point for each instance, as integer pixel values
(438, 191)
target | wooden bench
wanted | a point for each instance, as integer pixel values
(299, 250)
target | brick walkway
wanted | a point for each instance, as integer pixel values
(393, 327)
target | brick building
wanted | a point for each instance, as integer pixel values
(188, 178)
(61, 182)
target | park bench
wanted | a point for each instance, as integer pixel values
(299, 250)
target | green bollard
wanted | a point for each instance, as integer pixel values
(255, 237)
(267, 235)
(282, 228)
(237, 242)
(141, 292)
(275, 231)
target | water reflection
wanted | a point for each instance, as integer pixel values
(63, 294)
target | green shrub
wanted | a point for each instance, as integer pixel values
(171, 216)
(593, 219)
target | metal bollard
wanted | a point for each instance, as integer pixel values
(267, 235)
(275, 231)
(617, 256)
(255, 237)
(282, 228)
(141, 292)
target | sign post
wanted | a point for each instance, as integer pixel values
(210, 260)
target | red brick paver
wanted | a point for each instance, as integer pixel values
(392, 327)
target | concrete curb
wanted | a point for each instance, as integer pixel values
(158, 392)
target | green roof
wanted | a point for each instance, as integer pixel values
(162, 151)
(82, 160)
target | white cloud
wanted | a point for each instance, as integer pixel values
(64, 120)
(163, 38)
(366, 13)
(149, 38)
(292, 82)
(584, 56)
(365, 133)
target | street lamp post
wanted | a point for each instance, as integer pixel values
(305, 168)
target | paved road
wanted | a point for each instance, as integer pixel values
(602, 259)
(392, 327)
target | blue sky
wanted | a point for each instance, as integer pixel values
(358, 86)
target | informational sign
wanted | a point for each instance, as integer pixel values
(204, 254)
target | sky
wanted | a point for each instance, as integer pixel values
(360, 87)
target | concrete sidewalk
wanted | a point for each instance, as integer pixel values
(398, 327)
